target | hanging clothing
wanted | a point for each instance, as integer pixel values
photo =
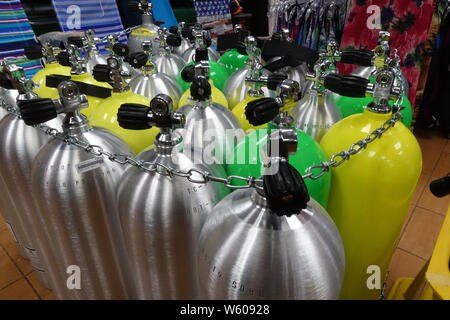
(15, 34)
(407, 21)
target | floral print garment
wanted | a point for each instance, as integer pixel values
(407, 21)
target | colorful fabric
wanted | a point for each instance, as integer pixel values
(407, 21)
(15, 34)
(212, 10)
(99, 15)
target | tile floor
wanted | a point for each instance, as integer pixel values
(416, 243)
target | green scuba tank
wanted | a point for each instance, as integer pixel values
(249, 156)
(217, 74)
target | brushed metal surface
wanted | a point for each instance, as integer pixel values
(135, 41)
(248, 252)
(79, 211)
(189, 54)
(315, 113)
(19, 145)
(185, 46)
(162, 217)
(170, 64)
(235, 89)
(151, 85)
(206, 129)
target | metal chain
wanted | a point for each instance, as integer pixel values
(202, 177)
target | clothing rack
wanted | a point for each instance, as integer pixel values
(311, 23)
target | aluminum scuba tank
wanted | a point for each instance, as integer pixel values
(249, 158)
(117, 49)
(89, 42)
(76, 194)
(189, 72)
(47, 55)
(19, 144)
(317, 111)
(166, 61)
(105, 115)
(185, 34)
(162, 214)
(147, 31)
(374, 61)
(236, 89)
(217, 74)
(236, 57)
(370, 193)
(202, 40)
(274, 243)
(72, 57)
(209, 126)
(151, 82)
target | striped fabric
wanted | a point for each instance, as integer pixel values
(99, 15)
(15, 34)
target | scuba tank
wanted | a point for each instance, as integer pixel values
(236, 89)
(151, 82)
(317, 111)
(71, 57)
(370, 193)
(374, 60)
(167, 62)
(201, 40)
(76, 195)
(19, 144)
(89, 42)
(189, 72)
(249, 158)
(117, 49)
(47, 55)
(162, 214)
(105, 115)
(274, 243)
(209, 126)
(185, 34)
(147, 31)
(235, 57)
(294, 69)
(217, 74)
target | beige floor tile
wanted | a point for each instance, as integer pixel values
(443, 166)
(8, 271)
(403, 264)
(407, 220)
(421, 184)
(421, 233)
(432, 143)
(19, 290)
(430, 202)
(43, 292)
(10, 246)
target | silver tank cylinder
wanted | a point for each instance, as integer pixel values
(212, 128)
(185, 46)
(235, 89)
(249, 252)
(76, 194)
(94, 59)
(189, 54)
(365, 72)
(294, 73)
(145, 32)
(315, 113)
(162, 217)
(170, 64)
(150, 85)
(19, 145)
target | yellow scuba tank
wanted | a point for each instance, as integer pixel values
(190, 72)
(255, 92)
(370, 193)
(105, 114)
(48, 59)
(71, 57)
(216, 95)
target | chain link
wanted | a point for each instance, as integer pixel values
(202, 177)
